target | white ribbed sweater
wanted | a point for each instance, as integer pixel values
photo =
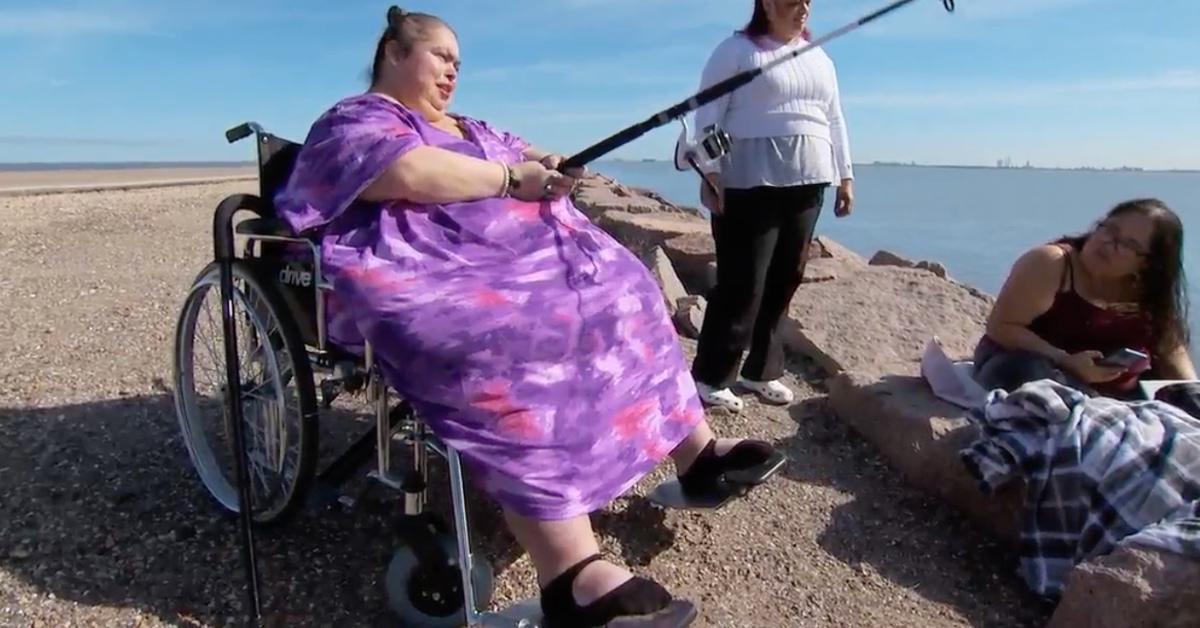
(798, 97)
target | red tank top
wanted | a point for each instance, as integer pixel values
(1075, 324)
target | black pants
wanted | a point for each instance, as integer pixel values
(997, 367)
(762, 239)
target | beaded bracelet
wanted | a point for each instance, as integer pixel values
(511, 182)
(507, 180)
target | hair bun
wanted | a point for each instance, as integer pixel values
(394, 15)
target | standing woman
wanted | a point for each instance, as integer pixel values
(789, 144)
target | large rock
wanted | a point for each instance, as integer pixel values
(1131, 588)
(821, 269)
(888, 258)
(868, 330)
(921, 436)
(934, 267)
(595, 199)
(640, 233)
(824, 247)
(695, 259)
(817, 249)
(828, 260)
(598, 194)
(667, 204)
(878, 319)
(689, 316)
(664, 272)
(692, 253)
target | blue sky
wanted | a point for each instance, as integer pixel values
(1055, 82)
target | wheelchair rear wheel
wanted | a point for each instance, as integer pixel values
(279, 405)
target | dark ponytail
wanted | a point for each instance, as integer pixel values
(405, 29)
(759, 25)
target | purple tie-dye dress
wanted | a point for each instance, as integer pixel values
(529, 339)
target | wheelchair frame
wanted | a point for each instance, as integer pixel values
(419, 528)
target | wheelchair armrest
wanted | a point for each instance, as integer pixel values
(265, 227)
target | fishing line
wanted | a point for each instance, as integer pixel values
(703, 97)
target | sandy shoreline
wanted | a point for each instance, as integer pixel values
(18, 183)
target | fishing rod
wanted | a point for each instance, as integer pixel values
(707, 95)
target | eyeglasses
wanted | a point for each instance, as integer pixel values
(1113, 235)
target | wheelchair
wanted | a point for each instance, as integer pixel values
(266, 303)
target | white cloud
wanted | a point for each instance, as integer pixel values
(1009, 9)
(54, 140)
(592, 74)
(587, 4)
(627, 112)
(1185, 80)
(607, 4)
(664, 66)
(970, 19)
(68, 22)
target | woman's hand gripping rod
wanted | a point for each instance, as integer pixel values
(713, 144)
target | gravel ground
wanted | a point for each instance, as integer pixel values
(26, 179)
(103, 523)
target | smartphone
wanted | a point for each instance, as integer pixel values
(1124, 358)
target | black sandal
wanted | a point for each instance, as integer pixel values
(636, 603)
(746, 465)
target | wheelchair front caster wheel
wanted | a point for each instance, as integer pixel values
(431, 596)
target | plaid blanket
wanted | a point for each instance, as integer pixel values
(1099, 473)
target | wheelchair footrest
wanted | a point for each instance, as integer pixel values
(523, 614)
(528, 614)
(734, 484)
(677, 614)
(326, 490)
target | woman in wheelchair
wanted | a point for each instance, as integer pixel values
(530, 340)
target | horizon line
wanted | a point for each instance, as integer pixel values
(31, 166)
(914, 164)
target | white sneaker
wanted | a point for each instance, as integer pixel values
(773, 392)
(719, 397)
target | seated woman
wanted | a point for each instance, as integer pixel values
(1067, 304)
(530, 340)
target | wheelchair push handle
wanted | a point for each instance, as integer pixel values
(242, 131)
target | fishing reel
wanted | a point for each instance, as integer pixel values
(712, 144)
